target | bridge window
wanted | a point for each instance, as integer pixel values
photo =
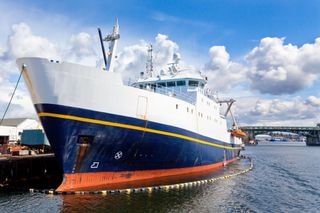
(171, 84)
(153, 86)
(193, 83)
(181, 83)
(161, 84)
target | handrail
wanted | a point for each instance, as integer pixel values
(183, 92)
(176, 92)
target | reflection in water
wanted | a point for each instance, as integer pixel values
(158, 201)
(284, 179)
(138, 202)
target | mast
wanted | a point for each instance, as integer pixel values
(113, 41)
(149, 65)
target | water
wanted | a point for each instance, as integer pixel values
(286, 178)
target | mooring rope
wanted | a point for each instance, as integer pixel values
(14, 91)
(152, 188)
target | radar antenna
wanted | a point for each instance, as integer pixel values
(176, 59)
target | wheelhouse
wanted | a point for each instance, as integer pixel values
(188, 83)
(182, 88)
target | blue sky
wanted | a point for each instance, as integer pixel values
(197, 25)
(286, 72)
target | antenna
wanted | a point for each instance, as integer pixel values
(176, 58)
(149, 65)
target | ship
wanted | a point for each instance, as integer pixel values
(105, 134)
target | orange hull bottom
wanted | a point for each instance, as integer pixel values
(133, 179)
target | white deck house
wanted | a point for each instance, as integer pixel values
(11, 128)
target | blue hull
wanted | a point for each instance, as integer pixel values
(86, 141)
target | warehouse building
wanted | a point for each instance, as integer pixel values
(12, 128)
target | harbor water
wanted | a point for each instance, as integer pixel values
(285, 178)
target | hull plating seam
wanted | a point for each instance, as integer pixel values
(126, 126)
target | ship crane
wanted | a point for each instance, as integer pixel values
(113, 43)
(235, 128)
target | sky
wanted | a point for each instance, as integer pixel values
(265, 54)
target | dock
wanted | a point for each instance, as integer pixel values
(41, 171)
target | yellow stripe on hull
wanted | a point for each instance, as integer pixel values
(127, 126)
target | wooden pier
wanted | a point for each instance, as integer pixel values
(28, 171)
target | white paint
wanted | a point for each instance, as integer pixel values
(94, 89)
(118, 155)
(94, 165)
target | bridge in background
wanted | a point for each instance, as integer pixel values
(312, 133)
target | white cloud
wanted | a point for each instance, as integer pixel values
(164, 50)
(82, 50)
(313, 101)
(272, 67)
(277, 68)
(2, 50)
(21, 105)
(296, 111)
(132, 59)
(223, 74)
(23, 43)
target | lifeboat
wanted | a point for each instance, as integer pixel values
(238, 133)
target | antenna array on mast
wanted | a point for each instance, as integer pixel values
(113, 40)
(149, 65)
